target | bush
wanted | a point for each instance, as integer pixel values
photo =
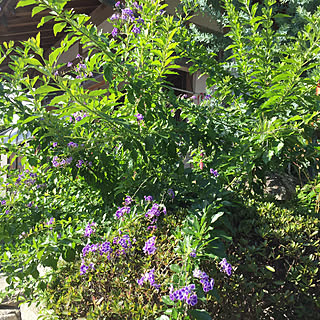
(276, 258)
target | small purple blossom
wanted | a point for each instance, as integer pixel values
(115, 16)
(226, 267)
(3, 202)
(193, 253)
(51, 221)
(7, 211)
(79, 56)
(207, 97)
(149, 247)
(214, 172)
(79, 164)
(136, 30)
(128, 200)
(72, 144)
(54, 144)
(154, 211)
(148, 198)
(115, 32)
(117, 5)
(171, 193)
(29, 205)
(88, 231)
(121, 211)
(184, 294)
(207, 283)
(69, 65)
(137, 5)
(149, 277)
(139, 116)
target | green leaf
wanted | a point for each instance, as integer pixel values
(270, 268)
(24, 3)
(36, 10)
(107, 72)
(58, 27)
(45, 89)
(175, 268)
(200, 315)
(167, 300)
(44, 20)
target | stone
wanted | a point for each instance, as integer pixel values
(10, 314)
(280, 186)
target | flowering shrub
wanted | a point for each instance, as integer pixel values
(131, 269)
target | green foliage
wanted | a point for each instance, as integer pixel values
(277, 271)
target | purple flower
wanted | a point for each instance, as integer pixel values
(207, 97)
(105, 248)
(72, 144)
(148, 276)
(193, 97)
(149, 247)
(214, 172)
(79, 164)
(193, 253)
(128, 200)
(29, 205)
(117, 5)
(207, 284)
(121, 211)
(154, 211)
(127, 14)
(88, 231)
(51, 221)
(83, 269)
(136, 30)
(54, 144)
(56, 73)
(7, 211)
(137, 6)
(3, 202)
(226, 267)
(140, 20)
(171, 193)
(115, 16)
(186, 293)
(148, 198)
(79, 56)
(69, 64)
(139, 116)
(69, 160)
(115, 32)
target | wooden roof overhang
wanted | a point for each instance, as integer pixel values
(17, 24)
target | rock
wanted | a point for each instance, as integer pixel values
(10, 314)
(280, 186)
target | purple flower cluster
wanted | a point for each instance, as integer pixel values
(63, 162)
(72, 144)
(124, 242)
(148, 198)
(137, 30)
(84, 268)
(149, 247)
(88, 231)
(193, 253)
(89, 248)
(51, 221)
(122, 211)
(115, 32)
(214, 172)
(186, 294)
(139, 116)
(128, 200)
(105, 248)
(80, 163)
(226, 267)
(207, 284)
(149, 277)
(171, 193)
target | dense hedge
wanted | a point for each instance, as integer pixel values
(276, 257)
